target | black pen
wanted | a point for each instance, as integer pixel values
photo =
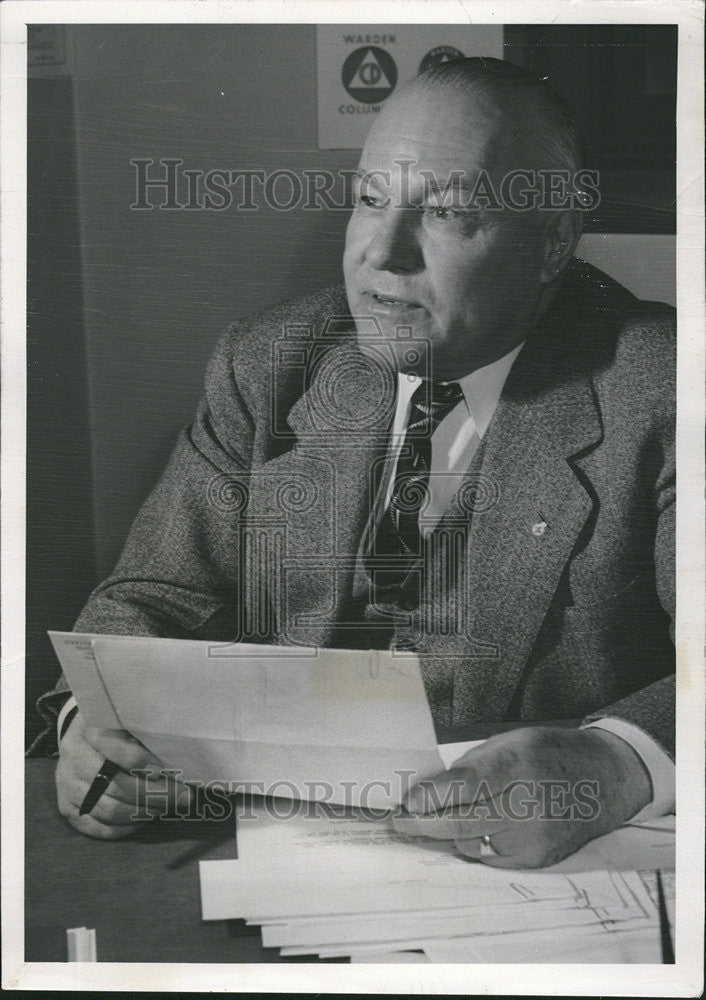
(105, 775)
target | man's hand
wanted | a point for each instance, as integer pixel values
(538, 793)
(121, 807)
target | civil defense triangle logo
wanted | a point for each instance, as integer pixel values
(369, 74)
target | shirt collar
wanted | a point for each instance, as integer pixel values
(481, 389)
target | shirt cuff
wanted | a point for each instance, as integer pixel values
(659, 766)
(65, 709)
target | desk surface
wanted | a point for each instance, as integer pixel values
(141, 894)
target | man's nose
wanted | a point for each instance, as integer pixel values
(394, 245)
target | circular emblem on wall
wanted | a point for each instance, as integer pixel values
(369, 74)
(441, 54)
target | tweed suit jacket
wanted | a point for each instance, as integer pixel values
(549, 583)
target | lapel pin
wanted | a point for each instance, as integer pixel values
(539, 529)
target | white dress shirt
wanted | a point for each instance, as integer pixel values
(453, 445)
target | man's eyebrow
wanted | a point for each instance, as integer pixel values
(457, 180)
(370, 175)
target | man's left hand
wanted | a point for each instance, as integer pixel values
(537, 793)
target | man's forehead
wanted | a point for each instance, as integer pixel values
(439, 128)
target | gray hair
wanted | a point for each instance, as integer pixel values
(547, 120)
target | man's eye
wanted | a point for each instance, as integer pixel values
(366, 195)
(453, 215)
(446, 213)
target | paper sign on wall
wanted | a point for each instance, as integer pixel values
(360, 65)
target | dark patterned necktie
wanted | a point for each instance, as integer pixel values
(398, 534)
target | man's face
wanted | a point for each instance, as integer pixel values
(466, 280)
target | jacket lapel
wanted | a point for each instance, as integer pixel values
(527, 507)
(311, 504)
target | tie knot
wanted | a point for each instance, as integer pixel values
(433, 400)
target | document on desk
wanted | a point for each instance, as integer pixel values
(338, 882)
(634, 941)
(347, 726)
(334, 882)
(302, 860)
(582, 901)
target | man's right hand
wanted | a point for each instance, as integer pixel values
(120, 809)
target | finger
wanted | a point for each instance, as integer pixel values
(449, 825)
(169, 798)
(434, 826)
(513, 861)
(445, 791)
(122, 748)
(83, 771)
(104, 813)
(159, 798)
(84, 765)
(488, 846)
(131, 798)
(523, 846)
(112, 812)
(72, 791)
(484, 772)
(480, 774)
(85, 759)
(495, 860)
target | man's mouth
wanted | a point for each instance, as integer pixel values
(394, 303)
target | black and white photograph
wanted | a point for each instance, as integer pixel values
(352, 619)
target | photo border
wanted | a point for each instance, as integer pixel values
(685, 977)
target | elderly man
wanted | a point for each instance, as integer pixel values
(471, 457)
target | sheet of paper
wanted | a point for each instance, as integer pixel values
(314, 841)
(451, 752)
(584, 904)
(348, 862)
(74, 652)
(310, 836)
(268, 829)
(231, 889)
(391, 958)
(630, 942)
(340, 725)
(636, 917)
(634, 943)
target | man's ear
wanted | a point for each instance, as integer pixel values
(560, 241)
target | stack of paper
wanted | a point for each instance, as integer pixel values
(331, 882)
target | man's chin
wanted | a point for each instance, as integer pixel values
(406, 355)
(404, 347)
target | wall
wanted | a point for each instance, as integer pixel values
(59, 519)
(161, 286)
(645, 263)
